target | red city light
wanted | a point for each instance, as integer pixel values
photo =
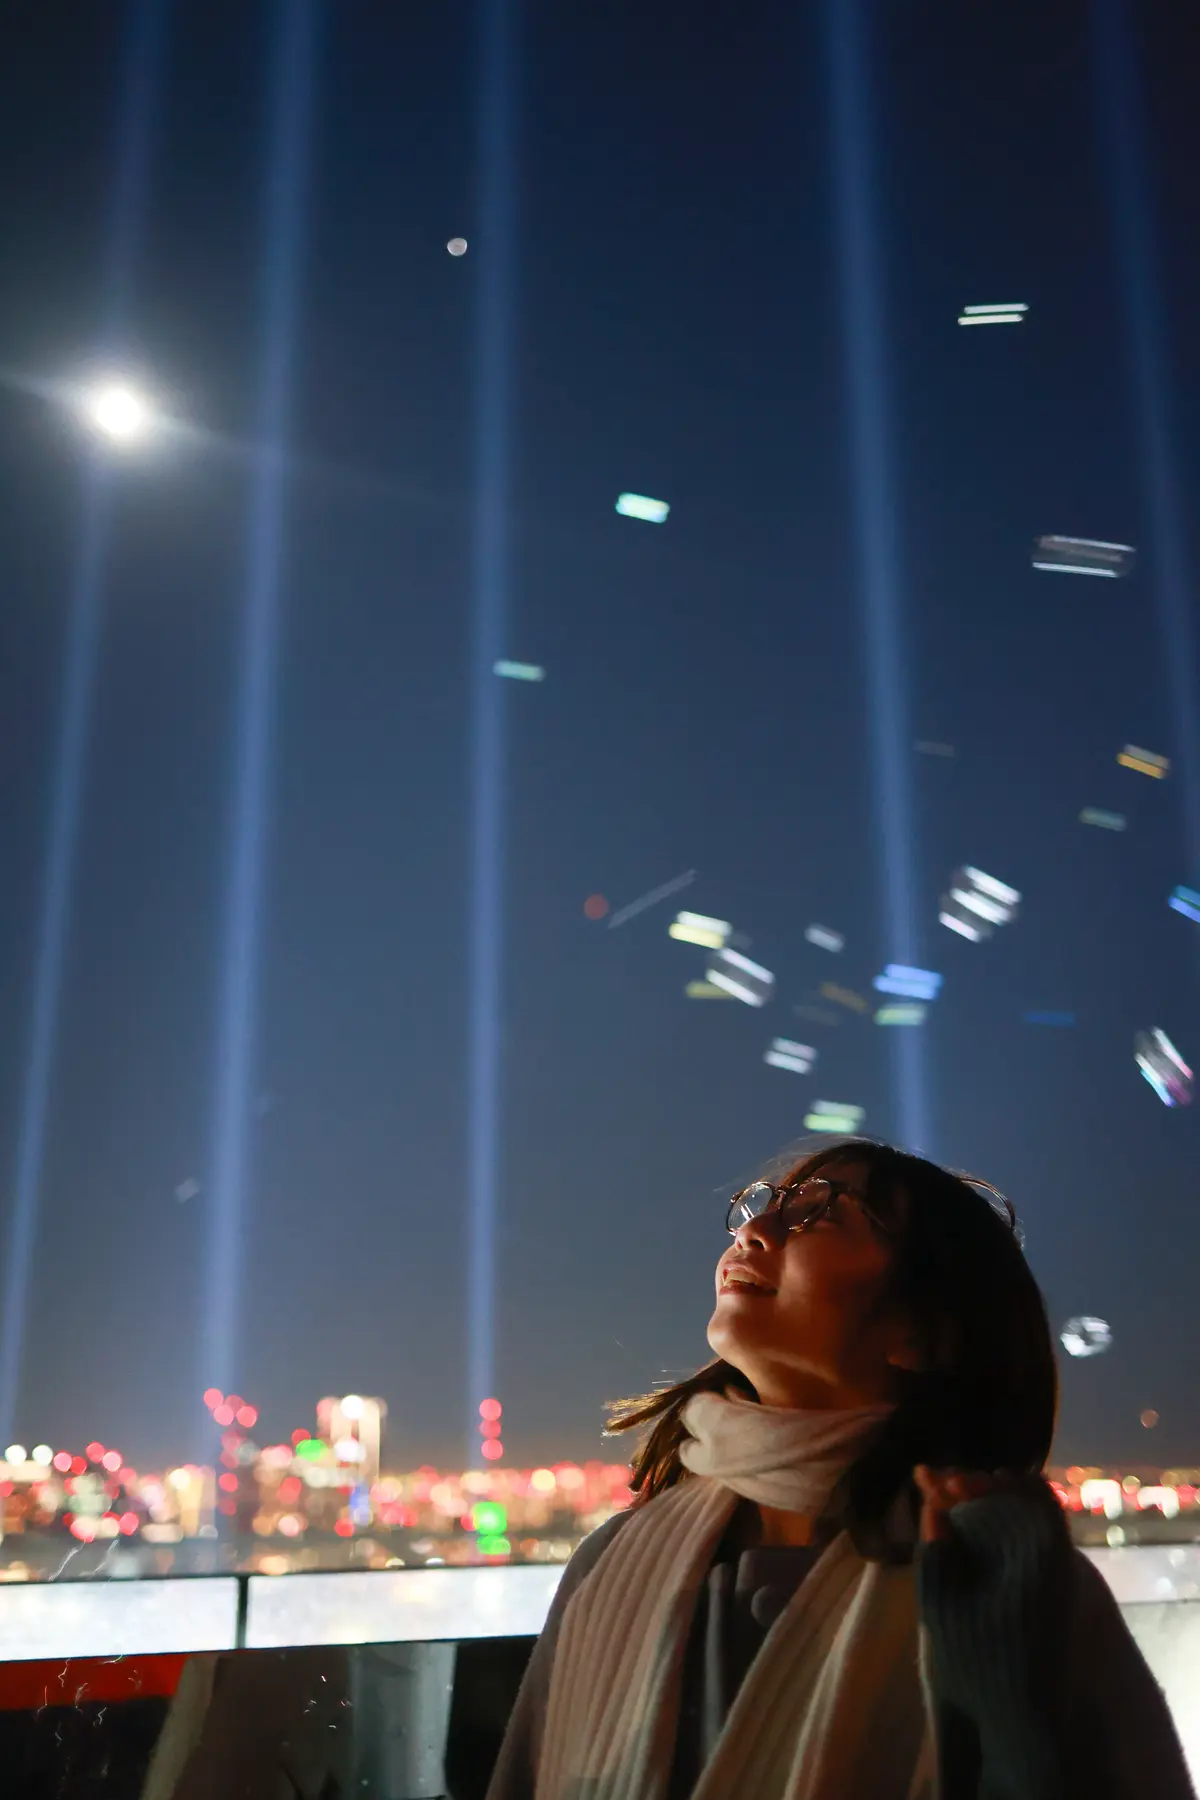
(247, 1416)
(493, 1449)
(299, 1436)
(290, 1489)
(95, 1452)
(234, 1400)
(227, 1508)
(111, 1460)
(344, 1528)
(223, 1415)
(213, 1397)
(128, 1523)
(79, 1465)
(595, 906)
(490, 1409)
(491, 1428)
(62, 1461)
(228, 1483)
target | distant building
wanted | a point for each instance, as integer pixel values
(353, 1428)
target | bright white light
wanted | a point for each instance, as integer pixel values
(785, 1053)
(119, 412)
(992, 318)
(640, 506)
(352, 1406)
(1083, 556)
(1085, 1336)
(1102, 1491)
(1008, 306)
(999, 890)
(745, 980)
(15, 1453)
(987, 909)
(42, 1453)
(1165, 1498)
(457, 246)
(824, 938)
(961, 926)
(695, 928)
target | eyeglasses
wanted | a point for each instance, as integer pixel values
(799, 1206)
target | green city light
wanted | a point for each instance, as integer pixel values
(488, 1517)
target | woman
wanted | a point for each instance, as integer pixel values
(843, 1576)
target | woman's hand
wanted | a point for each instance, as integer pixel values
(944, 1489)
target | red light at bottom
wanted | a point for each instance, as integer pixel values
(344, 1528)
(128, 1523)
(492, 1448)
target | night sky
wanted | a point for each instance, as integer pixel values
(678, 330)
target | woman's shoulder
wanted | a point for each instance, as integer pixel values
(588, 1554)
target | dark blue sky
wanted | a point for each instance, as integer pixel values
(678, 331)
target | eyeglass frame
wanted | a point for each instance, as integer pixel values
(780, 1192)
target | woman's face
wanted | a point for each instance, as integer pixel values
(810, 1331)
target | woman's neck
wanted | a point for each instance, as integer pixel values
(779, 1527)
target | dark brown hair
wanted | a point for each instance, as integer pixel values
(988, 1400)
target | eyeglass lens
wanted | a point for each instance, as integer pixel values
(798, 1205)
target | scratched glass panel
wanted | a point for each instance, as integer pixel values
(398, 1606)
(116, 1618)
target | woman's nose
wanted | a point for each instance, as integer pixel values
(759, 1233)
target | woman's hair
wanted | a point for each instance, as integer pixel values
(989, 1396)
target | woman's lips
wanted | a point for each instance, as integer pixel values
(736, 1281)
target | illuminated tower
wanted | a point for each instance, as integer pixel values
(353, 1426)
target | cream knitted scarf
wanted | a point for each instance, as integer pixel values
(835, 1705)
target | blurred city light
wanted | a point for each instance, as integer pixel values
(640, 506)
(634, 907)
(1144, 762)
(835, 1116)
(1083, 556)
(1163, 1067)
(913, 984)
(785, 1053)
(841, 996)
(824, 938)
(518, 671)
(706, 990)
(745, 980)
(1085, 1336)
(457, 246)
(1108, 821)
(695, 928)
(1185, 900)
(1011, 313)
(910, 1014)
(119, 412)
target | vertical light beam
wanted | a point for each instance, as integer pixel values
(493, 267)
(1118, 69)
(874, 512)
(284, 200)
(138, 88)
